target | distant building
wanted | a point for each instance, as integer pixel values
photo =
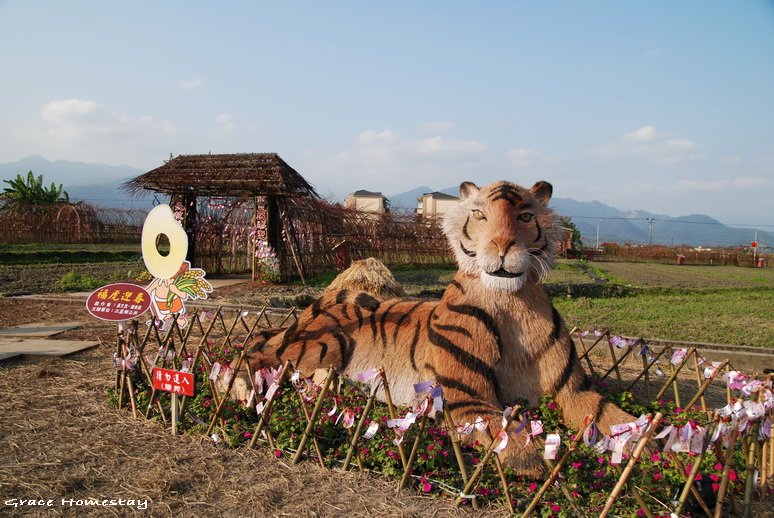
(435, 204)
(367, 201)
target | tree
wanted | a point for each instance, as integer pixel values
(569, 224)
(30, 191)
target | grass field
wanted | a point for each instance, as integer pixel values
(717, 304)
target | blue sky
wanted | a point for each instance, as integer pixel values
(660, 106)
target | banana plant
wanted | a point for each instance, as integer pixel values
(30, 190)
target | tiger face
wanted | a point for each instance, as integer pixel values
(503, 233)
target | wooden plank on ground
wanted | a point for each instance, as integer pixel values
(10, 347)
(39, 330)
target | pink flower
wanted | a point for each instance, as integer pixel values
(427, 487)
(577, 464)
(657, 476)
(601, 460)
(640, 512)
(715, 477)
(599, 474)
(556, 508)
(532, 487)
(551, 405)
(278, 453)
(715, 487)
(732, 476)
(247, 435)
(718, 466)
(655, 457)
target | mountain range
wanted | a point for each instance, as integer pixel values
(597, 221)
(99, 185)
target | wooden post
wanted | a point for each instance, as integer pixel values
(315, 414)
(630, 466)
(413, 454)
(391, 411)
(480, 468)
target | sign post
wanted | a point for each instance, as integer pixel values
(175, 382)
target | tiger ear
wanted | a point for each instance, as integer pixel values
(468, 189)
(542, 192)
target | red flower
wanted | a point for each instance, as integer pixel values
(532, 487)
(278, 453)
(657, 476)
(577, 464)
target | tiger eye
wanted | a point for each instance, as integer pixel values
(477, 214)
(525, 217)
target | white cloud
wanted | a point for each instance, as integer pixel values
(377, 137)
(436, 127)
(77, 129)
(386, 161)
(751, 182)
(522, 157)
(434, 145)
(650, 145)
(225, 123)
(190, 85)
(644, 134)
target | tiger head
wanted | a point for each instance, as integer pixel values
(503, 233)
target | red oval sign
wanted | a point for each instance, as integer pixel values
(117, 302)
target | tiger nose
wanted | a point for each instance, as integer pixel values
(502, 245)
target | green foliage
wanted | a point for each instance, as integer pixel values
(31, 191)
(75, 281)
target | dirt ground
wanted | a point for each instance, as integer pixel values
(62, 444)
(61, 441)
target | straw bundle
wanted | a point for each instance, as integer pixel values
(368, 275)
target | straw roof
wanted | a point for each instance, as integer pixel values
(224, 175)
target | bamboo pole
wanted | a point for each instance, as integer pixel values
(480, 468)
(557, 468)
(267, 408)
(689, 487)
(646, 370)
(391, 411)
(630, 466)
(359, 429)
(413, 454)
(671, 379)
(724, 478)
(454, 435)
(605, 333)
(752, 453)
(315, 442)
(699, 382)
(615, 365)
(501, 474)
(223, 400)
(315, 414)
(703, 388)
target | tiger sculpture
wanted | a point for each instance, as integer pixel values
(492, 339)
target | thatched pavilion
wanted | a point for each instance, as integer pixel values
(241, 211)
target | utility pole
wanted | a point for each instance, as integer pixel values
(598, 223)
(650, 231)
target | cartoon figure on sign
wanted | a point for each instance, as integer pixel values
(168, 296)
(174, 280)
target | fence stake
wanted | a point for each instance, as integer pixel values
(750, 479)
(724, 479)
(672, 378)
(702, 389)
(413, 454)
(454, 435)
(557, 468)
(267, 408)
(315, 442)
(391, 411)
(689, 487)
(699, 382)
(359, 428)
(630, 466)
(315, 414)
(480, 468)
(225, 397)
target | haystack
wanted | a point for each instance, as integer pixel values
(368, 275)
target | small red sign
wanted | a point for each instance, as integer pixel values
(176, 382)
(117, 302)
(754, 244)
